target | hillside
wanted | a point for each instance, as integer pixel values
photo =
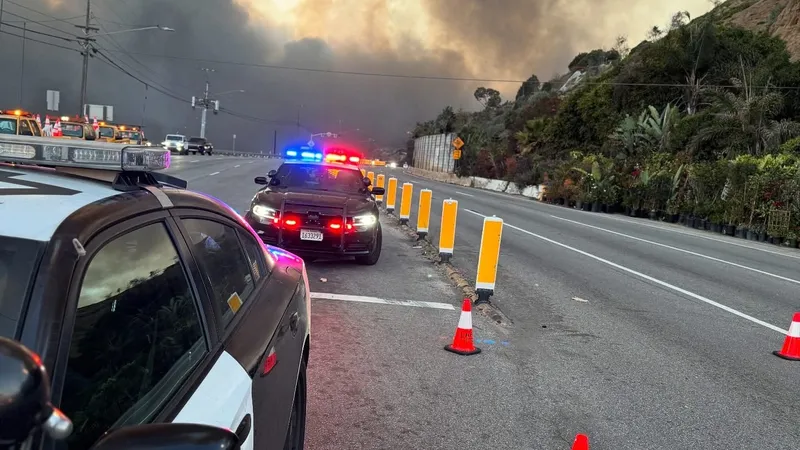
(780, 18)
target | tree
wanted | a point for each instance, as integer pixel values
(445, 122)
(528, 87)
(679, 19)
(621, 46)
(488, 97)
(654, 34)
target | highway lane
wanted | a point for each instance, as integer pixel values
(379, 376)
(619, 320)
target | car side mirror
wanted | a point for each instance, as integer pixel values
(367, 182)
(272, 173)
(378, 191)
(163, 436)
(25, 395)
(261, 180)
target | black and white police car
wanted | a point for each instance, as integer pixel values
(318, 209)
(146, 302)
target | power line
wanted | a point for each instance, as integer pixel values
(55, 19)
(40, 23)
(39, 41)
(41, 33)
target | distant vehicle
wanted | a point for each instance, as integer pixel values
(176, 143)
(134, 135)
(19, 122)
(198, 144)
(77, 128)
(145, 302)
(318, 209)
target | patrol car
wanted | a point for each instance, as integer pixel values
(147, 302)
(318, 209)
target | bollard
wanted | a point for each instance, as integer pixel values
(363, 173)
(424, 213)
(447, 229)
(488, 257)
(371, 176)
(391, 195)
(379, 183)
(405, 202)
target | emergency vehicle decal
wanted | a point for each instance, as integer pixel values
(223, 399)
(30, 187)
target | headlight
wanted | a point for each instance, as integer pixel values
(365, 221)
(265, 214)
(180, 144)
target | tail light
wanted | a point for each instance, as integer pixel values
(336, 225)
(290, 221)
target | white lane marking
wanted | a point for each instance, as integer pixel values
(464, 193)
(238, 165)
(384, 301)
(250, 162)
(578, 299)
(672, 230)
(648, 278)
(212, 174)
(769, 274)
(196, 160)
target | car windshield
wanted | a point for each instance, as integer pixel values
(196, 140)
(72, 130)
(174, 137)
(320, 177)
(8, 126)
(18, 259)
(131, 135)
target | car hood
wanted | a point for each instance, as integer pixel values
(275, 197)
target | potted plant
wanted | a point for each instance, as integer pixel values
(790, 240)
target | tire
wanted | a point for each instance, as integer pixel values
(374, 254)
(296, 434)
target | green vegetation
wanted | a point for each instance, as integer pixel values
(702, 121)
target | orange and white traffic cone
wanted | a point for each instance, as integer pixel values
(581, 442)
(462, 341)
(791, 346)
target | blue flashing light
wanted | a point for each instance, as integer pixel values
(304, 155)
(291, 153)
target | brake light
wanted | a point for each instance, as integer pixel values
(336, 226)
(290, 222)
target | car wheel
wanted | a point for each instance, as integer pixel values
(296, 435)
(374, 254)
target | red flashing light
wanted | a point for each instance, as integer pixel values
(335, 226)
(355, 159)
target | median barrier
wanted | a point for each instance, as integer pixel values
(447, 229)
(488, 258)
(424, 213)
(391, 195)
(379, 182)
(405, 202)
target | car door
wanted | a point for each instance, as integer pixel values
(256, 315)
(139, 342)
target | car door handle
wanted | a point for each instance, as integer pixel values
(243, 430)
(293, 321)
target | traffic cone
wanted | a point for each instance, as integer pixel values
(462, 341)
(791, 346)
(581, 442)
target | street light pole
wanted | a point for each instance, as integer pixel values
(86, 44)
(204, 113)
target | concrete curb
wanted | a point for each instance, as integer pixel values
(488, 184)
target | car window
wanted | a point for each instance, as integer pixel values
(72, 130)
(37, 130)
(25, 128)
(223, 263)
(8, 126)
(18, 258)
(255, 255)
(137, 335)
(320, 177)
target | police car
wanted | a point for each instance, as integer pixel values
(146, 302)
(318, 208)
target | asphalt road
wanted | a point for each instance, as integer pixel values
(379, 376)
(642, 335)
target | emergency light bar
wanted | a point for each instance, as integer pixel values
(303, 155)
(48, 152)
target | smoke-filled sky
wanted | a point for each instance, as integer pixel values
(485, 39)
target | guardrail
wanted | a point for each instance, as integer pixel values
(245, 154)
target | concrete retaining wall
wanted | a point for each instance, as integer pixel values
(508, 187)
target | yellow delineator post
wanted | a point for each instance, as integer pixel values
(488, 257)
(379, 183)
(424, 213)
(447, 229)
(371, 176)
(363, 173)
(405, 202)
(391, 195)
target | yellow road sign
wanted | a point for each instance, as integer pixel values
(457, 154)
(458, 143)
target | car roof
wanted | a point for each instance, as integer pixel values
(335, 165)
(38, 200)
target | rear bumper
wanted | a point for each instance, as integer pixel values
(332, 245)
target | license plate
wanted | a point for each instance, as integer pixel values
(310, 235)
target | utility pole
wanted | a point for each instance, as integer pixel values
(86, 43)
(22, 68)
(1, 13)
(205, 103)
